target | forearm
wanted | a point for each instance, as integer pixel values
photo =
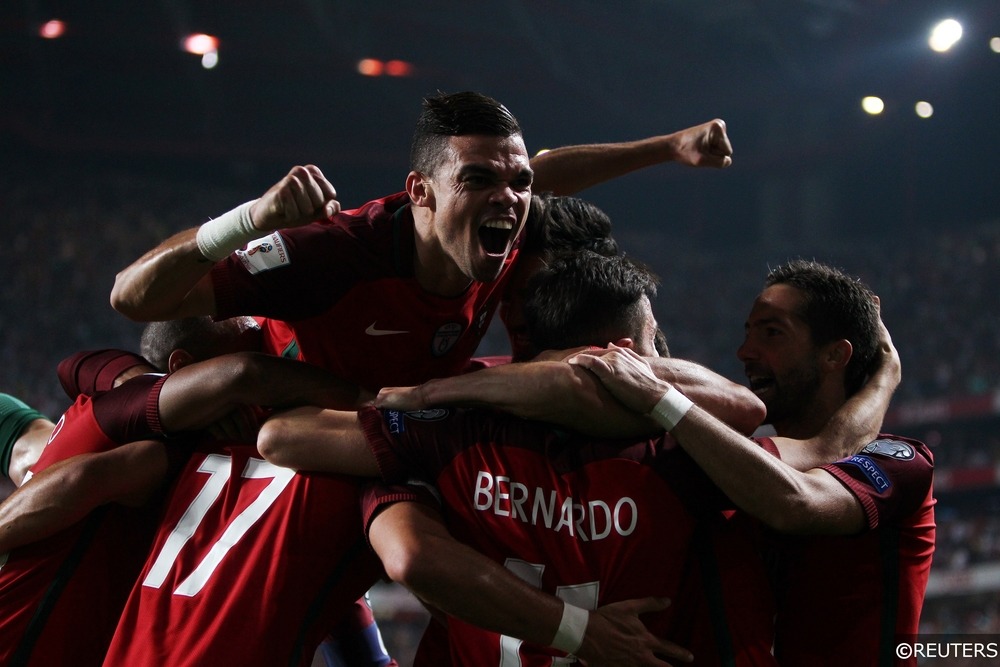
(310, 438)
(553, 392)
(66, 492)
(156, 287)
(570, 169)
(418, 552)
(196, 396)
(859, 420)
(725, 400)
(762, 485)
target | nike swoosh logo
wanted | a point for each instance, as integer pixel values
(372, 331)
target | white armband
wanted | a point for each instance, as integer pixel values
(670, 409)
(572, 628)
(230, 231)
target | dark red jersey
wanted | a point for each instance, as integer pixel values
(61, 597)
(342, 295)
(253, 564)
(590, 521)
(851, 600)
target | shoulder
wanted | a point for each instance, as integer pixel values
(898, 448)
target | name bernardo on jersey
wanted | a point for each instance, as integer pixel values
(584, 520)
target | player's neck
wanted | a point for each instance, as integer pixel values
(434, 270)
(809, 422)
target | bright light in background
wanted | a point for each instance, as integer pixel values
(398, 68)
(210, 59)
(924, 109)
(375, 67)
(873, 105)
(542, 152)
(52, 29)
(371, 67)
(945, 35)
(995, 44)
(200, 44)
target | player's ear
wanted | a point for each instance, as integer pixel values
(420, 189)
(625, 342)
(178, 359)
(838, 353)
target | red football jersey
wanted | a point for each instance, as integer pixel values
(850, 600)
(590, 521)
(342, 295)
(213, 591)
(61, 597)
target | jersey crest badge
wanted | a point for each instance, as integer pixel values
(892, 448)
(428, 415)
(445, 338)
(264, 254)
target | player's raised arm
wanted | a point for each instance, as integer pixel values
(197, 395)
(171, 280)
(858, 421)
(789, 500)
(570, 169)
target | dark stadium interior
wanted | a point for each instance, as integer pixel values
(113, 138)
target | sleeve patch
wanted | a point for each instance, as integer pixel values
(396, 420)
(428, 415)
(892, 448)
(878, 479)
(264, 254)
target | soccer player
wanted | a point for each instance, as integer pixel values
(117, 474)
(858, 533)
(179, 401)
(591, 520)
(60, 597)
(402, 289)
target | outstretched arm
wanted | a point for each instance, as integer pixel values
(418, 552)
(65, 492)
(784, 498)
(171, 280)
(857, 422)
(198, 395)
(568, 170)
(560, 393)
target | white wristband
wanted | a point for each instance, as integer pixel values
(572, 628)
(230, 231)
(670, 409)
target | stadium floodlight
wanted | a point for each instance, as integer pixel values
(924, 109)
(199, 44)
(873, 105)
(52, 29)
(995, 44)
(945, 35)
(210, 60)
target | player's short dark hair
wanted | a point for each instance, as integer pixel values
(835, 306)
(584, 298)
(202, 337)
(453, 115)
(559, 224)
